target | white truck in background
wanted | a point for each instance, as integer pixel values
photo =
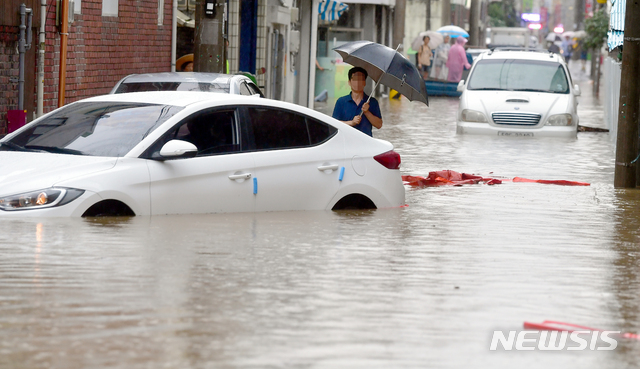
(511, 37)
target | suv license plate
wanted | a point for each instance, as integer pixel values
(515, 134)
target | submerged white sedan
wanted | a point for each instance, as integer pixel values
(153, 153)
(518, 93)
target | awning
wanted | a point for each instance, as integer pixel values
(616, 24)
(331, 10)
(185, 20)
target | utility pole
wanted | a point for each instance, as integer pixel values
(398, 24)
(474, 18)
(428, 25)
(209, 51)
(626, 171)
(446, 13)
(579, 14)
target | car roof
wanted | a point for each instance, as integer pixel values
(521, 54)
(201, 77)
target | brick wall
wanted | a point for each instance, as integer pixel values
(9, 64)
(100, 51)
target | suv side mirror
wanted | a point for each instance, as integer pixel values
(460, 87)
(576, 90)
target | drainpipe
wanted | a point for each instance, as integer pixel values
(174, 34)
(24, 44)
(313, 50)
(43, 19)
(64, 32)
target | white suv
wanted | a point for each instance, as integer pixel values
(514, 92)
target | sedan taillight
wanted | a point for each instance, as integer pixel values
(389, 159)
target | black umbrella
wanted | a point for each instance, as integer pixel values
(387, 66)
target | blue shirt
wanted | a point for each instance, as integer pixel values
(346, 109)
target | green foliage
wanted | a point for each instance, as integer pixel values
(496, 15)
(511, 15)
(502, 14)
(596, 28)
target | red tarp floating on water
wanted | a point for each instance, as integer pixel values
(451, 178)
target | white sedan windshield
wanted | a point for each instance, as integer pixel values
(92, 128)
(519, 75)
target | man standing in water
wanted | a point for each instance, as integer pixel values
(348, 107)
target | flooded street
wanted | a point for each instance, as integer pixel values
(421, 286)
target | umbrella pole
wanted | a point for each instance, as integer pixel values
(374, 88)
(377, 83)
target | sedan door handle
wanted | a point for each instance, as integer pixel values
(331, 167)
(234, 177)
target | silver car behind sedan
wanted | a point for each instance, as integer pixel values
(234, 84)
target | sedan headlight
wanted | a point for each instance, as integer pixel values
(469, 115)
(559, 120)
(40, 199)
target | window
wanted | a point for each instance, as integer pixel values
(244, 89)
(95, 128)
(213, 132)
(254, 89)
(109, 8)
(519, 75)
(280, 129)
(77, 6)
(172, 86)
(160, 12)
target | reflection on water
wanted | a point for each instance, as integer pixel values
(421, 286)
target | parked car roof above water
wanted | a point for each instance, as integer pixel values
(235, 84)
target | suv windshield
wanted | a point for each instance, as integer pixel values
(172, 86)
(519, 75)
(92, 128)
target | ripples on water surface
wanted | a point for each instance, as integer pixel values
(422, 286)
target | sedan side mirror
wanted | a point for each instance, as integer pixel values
(576, 90)
(460, 87)
(175, 149)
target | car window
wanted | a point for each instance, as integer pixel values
(280, 129)
(519, 75)
(244, 89)
(213, 132)
(255, 89)
(172, 86)
(95, 128)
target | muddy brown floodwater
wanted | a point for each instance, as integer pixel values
(423, 286)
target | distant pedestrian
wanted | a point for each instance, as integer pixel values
(567, 48)
(440, 58)
(553, 48)
(457, 60)
(424, 57)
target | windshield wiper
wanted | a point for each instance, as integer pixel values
(16, 147)
(56, 150)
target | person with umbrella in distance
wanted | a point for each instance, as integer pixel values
(357, 109)
(424, 57)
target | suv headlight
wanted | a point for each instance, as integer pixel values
(39, 199)
(559, 120)
(469, 115)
